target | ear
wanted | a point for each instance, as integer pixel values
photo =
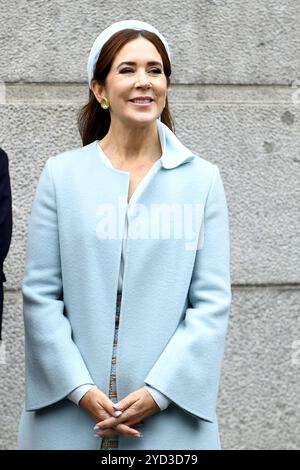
(98, 90)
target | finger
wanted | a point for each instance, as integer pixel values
(121, 429)
(129, 416)
(99, 413)
(127, 430)
(110, 432)
(125, 402)
(107, 404)
(123, 414)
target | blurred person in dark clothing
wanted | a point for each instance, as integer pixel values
(5, 222)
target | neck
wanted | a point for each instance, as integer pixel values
(132, 143)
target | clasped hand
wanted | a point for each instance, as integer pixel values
(134, 408)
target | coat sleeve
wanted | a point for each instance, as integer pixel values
(188, 369)
(54, 365)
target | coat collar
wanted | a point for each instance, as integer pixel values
(174, 152)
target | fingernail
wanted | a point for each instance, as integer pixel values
(118, 413)
(96, 427)
(116, 405)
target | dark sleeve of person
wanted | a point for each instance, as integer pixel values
(5, 211)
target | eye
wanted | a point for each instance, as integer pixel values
(155, 70)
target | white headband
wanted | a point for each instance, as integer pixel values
(109, 32)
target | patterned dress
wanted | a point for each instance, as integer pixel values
(112, 442)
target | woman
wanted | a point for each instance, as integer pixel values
(127, 284)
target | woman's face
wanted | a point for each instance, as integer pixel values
(136, 71)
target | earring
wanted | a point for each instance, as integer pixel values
(104, 102)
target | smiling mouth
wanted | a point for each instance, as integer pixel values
(141, 101)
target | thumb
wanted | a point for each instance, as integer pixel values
(108, 405)
(124, 403)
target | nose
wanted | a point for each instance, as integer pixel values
(143, 80)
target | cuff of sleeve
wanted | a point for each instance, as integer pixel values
(78, 392)
(162, 400)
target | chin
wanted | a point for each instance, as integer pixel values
(142, 120)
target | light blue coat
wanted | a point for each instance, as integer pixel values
(175, 303)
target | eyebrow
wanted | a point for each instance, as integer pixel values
(134, 63)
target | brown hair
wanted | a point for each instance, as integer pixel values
(93, 121)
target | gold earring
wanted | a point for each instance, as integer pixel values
(104, 102)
